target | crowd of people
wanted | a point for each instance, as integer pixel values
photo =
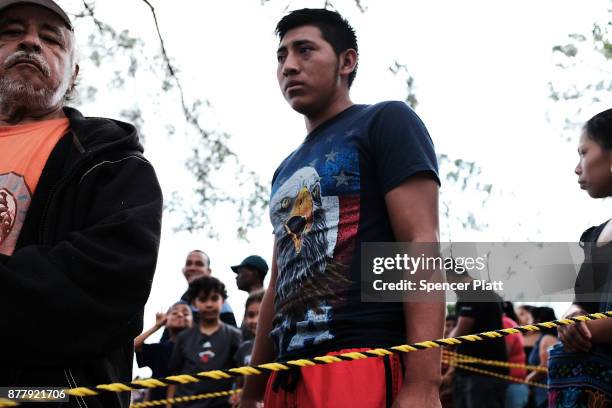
(214, 342)
(80, 225)
(463, 387)
(200, 332)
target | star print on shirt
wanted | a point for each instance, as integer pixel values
(331, 156)
(341, 179)
(350, 133)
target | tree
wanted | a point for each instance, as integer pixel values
(134, 62)
(463, 192)
(582, 79)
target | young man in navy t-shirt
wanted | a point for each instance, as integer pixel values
(364, 173)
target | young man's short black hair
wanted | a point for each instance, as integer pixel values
(334, 29)
(206, 285)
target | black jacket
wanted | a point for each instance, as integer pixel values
(72, 294)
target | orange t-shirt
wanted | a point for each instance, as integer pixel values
(24, 150)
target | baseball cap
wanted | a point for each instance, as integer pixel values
(48, 4)
(253, 261)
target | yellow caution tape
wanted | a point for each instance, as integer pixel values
(196, 397)
(278, 366)
(492, 374)
(462, 358)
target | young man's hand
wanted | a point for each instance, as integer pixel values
(234, 400)
(418, 396)
(447, 379)
(575, 337)
(250, 404)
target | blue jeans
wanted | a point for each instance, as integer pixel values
(517, 396)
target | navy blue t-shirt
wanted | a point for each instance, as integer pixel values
(327, 198)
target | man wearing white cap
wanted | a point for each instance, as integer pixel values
(80, 219)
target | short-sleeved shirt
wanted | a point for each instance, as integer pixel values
(156, 356)
(595, 277)
(487, 316)
(327, 198)
(243, 355)
(24, 150)
(194, 352)
(515, 348)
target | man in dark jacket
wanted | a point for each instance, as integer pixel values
(80, 219)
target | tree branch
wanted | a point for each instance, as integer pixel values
(361, 7)
(169, 66)
(90, 12)
(217, 155)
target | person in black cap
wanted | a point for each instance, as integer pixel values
(80, 219)
(250, 274)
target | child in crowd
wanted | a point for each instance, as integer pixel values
(249, 325)
(210, 345)
(156, 356)
(251, 316)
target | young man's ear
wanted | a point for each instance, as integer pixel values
(347, 61)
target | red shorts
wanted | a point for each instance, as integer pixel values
(368, 383)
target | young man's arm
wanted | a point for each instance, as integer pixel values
(160, 319)
(263, 349)
(413, 211)
(170, 394)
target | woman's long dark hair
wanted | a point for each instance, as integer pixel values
(508, 308)
(599, 129)
(544, 314)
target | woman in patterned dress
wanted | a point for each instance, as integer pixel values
(580, 367)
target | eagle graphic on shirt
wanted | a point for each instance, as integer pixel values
(310, 283)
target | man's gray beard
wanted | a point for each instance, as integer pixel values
(22, 95)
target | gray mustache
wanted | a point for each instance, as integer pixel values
(35, 58)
